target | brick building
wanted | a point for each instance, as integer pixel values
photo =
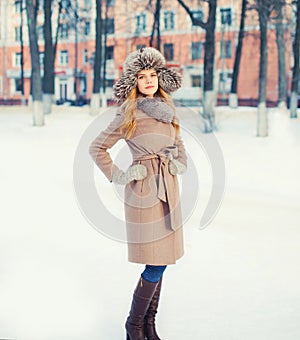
(129, 27)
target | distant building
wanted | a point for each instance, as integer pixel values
(129, 26)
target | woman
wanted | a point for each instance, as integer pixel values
(146, 120)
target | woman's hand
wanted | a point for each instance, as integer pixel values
(176, 167)
(135, 172)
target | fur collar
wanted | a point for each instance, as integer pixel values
(156, 108)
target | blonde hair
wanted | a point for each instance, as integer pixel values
(130, 107)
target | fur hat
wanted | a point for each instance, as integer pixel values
(145, 59)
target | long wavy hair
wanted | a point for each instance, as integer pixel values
(130, 107)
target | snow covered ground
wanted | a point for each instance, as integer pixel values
(239, 278)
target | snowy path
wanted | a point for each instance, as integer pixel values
(60, 279)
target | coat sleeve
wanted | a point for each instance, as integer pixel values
(182, 157)
(105, 140)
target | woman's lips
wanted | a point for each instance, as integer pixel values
(149, 87)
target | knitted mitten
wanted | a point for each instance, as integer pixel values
(135, 172)
(176, 167)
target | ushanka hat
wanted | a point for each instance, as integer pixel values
(145, 59)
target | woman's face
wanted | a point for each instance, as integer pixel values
(147, 81)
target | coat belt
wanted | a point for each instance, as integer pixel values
(165, 184)
(163, 173)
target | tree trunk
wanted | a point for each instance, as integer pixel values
(22, 55)
(95, 100)
(209, 55)
(76, 85)
(156, 26)
(282, 88)
(37, 94)
(209, 92)
(57, 30)
(233, 98)
(158, 43)
(153, 28)
(295, 78)
(262, 126)
(103, 99)
(48, 80)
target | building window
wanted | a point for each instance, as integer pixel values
(109, 82)
(225, 49)
(83, 85)
(169, 51)
(64, 31)
(197, 50)
(110, 52)
(85, 56)
(41, 5)
(110, 25)
(40, 32)
(225, 80)
(138, 47)
(87, 28)
(92, 59)
(18, 7)
(169, 22)
(63, 57)
(41, 56)
(198, 14)
(18, 57)
(196, 80)
(18, 33)
(65, 4)
(226, 16)
(18, 85)
(87, 3)
(140, 24)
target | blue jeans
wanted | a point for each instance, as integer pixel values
(153, 273)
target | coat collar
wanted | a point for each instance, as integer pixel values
(156, 108)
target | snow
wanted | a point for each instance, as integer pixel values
(239, 278)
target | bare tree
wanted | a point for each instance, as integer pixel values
(58, 26)
(95, 100)
(48, 79)
(282, 87)
(156, 26)
(209, 95)
(50, 53)
(105, 24)
(22, 54)
(233, 97)
(36, 80)
(264, 8)
(296, 70)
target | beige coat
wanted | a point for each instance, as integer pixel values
(152, 205)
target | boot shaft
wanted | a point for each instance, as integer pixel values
(142, 297)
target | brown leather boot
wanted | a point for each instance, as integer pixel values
(149, 320)
(140, 303)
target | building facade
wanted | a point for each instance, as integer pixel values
(129, 26)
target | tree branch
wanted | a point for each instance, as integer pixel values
(195, 21)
